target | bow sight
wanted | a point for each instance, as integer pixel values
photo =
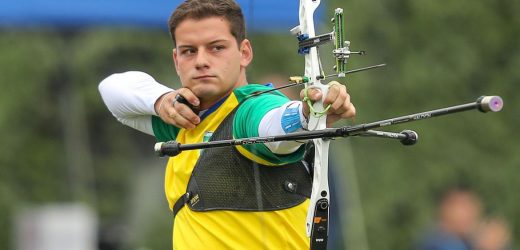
(341, 48)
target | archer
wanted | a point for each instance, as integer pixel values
(244, 197)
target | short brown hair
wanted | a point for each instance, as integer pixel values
(200, 9)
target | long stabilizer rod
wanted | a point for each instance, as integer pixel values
(483, 104)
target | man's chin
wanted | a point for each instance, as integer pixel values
(205, 92)
(208, 96)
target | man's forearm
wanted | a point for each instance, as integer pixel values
(131, 97)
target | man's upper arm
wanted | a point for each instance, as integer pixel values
(247, 121)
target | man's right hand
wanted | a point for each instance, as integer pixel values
(176, 113)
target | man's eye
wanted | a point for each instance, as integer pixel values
(188, 51)
(219, 47)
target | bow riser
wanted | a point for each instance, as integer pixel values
(318, 213)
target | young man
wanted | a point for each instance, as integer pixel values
(229, 198)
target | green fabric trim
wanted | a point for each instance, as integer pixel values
(163, 131)
(253, 110)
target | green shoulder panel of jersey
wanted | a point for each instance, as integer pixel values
(253, 110)
(163, 131)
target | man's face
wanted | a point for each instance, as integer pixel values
(208, 59)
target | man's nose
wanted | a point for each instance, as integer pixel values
(201, 61)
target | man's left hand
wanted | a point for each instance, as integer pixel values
(337, 96)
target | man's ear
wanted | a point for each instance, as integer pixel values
(246, 51)
(174, 54)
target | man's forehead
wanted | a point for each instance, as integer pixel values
(210, 21)
(209, 29)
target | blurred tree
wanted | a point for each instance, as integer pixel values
(439, 53)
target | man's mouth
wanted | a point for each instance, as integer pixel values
(203, 77)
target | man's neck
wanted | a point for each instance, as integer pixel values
(205, 105)
(208, 103)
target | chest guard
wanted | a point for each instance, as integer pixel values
(223, 179)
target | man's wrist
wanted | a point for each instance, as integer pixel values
(160, 102)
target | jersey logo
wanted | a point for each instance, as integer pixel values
(207, 136)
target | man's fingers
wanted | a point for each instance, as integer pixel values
(178, 120)
(313, 94)
(179, 114)
(187, 113)
(341, 104)
(332, 118)
(351, 112)
(189, 96)
(183, 123)
(334, 92)
(344, 110)
(336, 96)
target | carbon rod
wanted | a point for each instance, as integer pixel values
(484, 104)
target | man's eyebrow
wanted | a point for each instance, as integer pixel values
(187, 46)
(184, 46)
(219, 41)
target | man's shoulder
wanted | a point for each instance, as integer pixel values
(245, 91)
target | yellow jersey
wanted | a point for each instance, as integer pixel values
(223, 229)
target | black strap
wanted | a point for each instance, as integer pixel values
(180, 203)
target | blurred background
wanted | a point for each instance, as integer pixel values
(72, 177)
